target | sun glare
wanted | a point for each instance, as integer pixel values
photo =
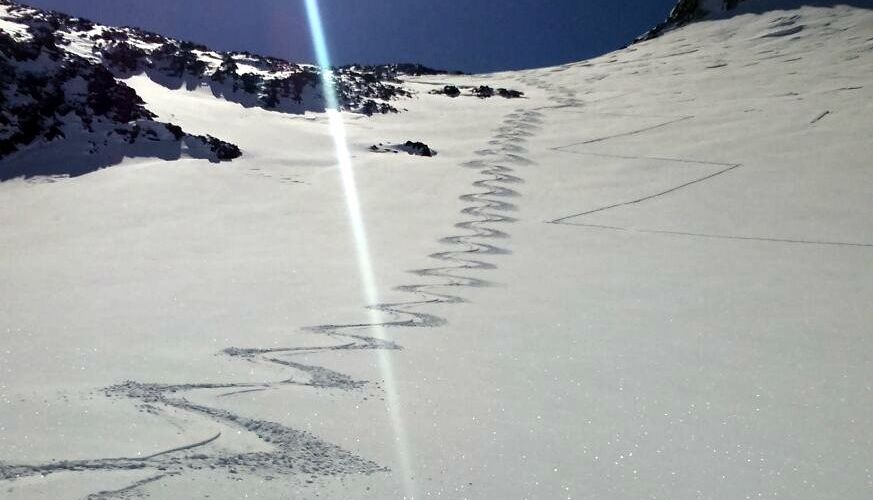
(362, 249)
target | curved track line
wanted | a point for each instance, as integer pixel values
(180, 448)
(296, 451)
(120, 493)
(646, 198)
(729, 167)
(629, 133)
(656, 158)
(722, 236)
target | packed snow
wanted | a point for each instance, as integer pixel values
(648, 278)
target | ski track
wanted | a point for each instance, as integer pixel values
(300, 452)
(651, 196)
(723, 168)
(563, 98)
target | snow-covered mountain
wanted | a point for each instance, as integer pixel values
(63, 96)
(59, 99)
(646, 275)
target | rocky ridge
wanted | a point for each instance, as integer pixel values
(686, 11)
(62, 79)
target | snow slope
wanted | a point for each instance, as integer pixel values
(649, 278)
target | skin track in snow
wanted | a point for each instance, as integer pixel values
(299, 452)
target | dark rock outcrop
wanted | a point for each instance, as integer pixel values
(418, 148)
(686, 11)
(509, 93)
(415, 148)
(392, 72)
(451, 91)
(484, 92)
(448, 90)
(224, 151)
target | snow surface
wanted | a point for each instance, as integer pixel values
(679, 304)
(16, 30)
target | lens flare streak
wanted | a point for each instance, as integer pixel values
(362, 248)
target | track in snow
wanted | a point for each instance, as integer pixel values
(723, 168)
(563, 97)
(299, 452)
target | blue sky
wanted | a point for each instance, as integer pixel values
(467, 35)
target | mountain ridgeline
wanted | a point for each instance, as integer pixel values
(62, 90)
(686, 11)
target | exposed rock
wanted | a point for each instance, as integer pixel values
(227, 68)
(224, 151)
(451, 91)
(509, 94)
(686, 11)
(175, 130)
(177, 59)
(391, 72)
(123, 57)
(371, 107)
(483, 91)
(415, 148)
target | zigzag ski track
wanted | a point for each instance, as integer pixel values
(298, 452)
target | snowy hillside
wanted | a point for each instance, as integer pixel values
(646, 275)
(66, 109)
